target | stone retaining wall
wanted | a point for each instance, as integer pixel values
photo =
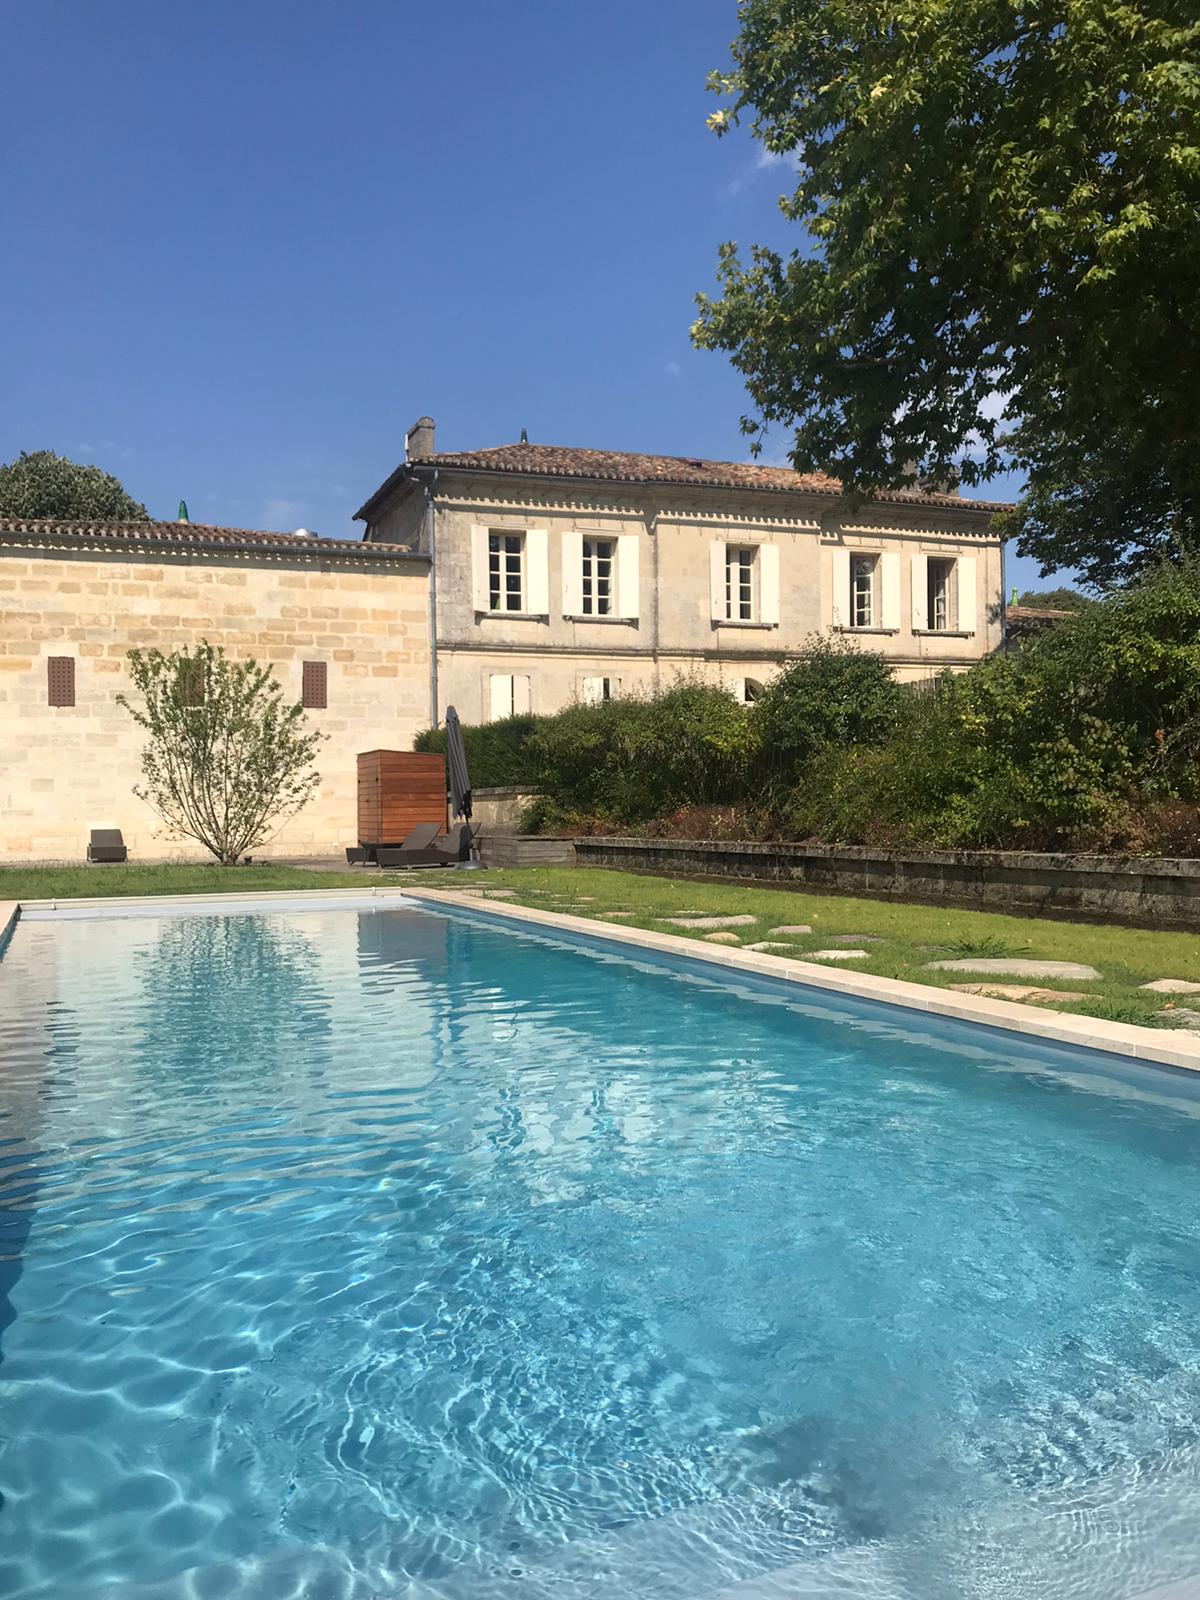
(498, 810)
(1153, 891)
(525, 850)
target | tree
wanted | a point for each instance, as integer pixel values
(1002, 257)
(41, 484)
(1055, 599)
(226, 761)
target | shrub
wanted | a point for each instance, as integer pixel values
(497, 752)
(832, 696)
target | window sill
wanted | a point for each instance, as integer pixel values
(739, 622)
(944, 633)
(847, 627)
(579, 616)
(512, 616)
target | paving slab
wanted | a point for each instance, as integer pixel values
(764, 944)
(793, 927)
(722, 938)
(1017, 991)
(835, 955)
(496, 894)
(856, 938)
(1014, 967)
(1171, 986)
(709, 922)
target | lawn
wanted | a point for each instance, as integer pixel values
(908, 936)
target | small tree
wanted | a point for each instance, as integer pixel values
(227, 761)
(41, 484)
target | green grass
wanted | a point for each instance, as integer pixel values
(911, 935)
(77, 883)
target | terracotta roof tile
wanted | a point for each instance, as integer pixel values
(560, 461)
(198, 534)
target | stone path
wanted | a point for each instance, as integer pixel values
(1015, 968)
(765, 944)
(721, 938)
(1171, 986)
(835, 955)
(1017, 991)
(793, 927)
(709, 922)
(856, 938)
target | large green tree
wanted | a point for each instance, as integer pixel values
(41, 484)
(1000, 265)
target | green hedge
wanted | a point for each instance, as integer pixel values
(497, 752)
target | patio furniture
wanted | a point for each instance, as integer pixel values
(106, 844)
(423, 849)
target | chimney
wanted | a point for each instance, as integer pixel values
(418, 441)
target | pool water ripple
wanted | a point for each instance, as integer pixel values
(397, 1255)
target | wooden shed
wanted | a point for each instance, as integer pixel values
(398, 789)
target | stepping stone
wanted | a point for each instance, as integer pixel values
(496, 894)
(1171, 986)
(835, 955)
(1184, 1017)
(793, 927)
(1017, 991)
(856, 938)
(762, 944)
(1004, 968)
(722, 938)
(618, 913)
(709, 922)
(584, 899)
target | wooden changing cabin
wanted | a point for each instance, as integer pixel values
(397, 790)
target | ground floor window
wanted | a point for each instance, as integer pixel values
(593, 691)
(508, 695)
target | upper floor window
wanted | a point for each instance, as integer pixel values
(942, 594)
(863, 601)
(740, 586)
(599, 556)
(506, 571)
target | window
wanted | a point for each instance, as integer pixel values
(739, 582)
(191, 682)
(862, 591)
(508, 695)
(60, 680)
(598, 556)
(594, 691)
(506, 571)
(746, 690)
(314, 686)
(941, 594)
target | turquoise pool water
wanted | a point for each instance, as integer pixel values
(401, 1255)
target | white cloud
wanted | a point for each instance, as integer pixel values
(673, 368)
(283, 515)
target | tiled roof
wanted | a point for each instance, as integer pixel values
(560, 461)
(198, 535)
(1035, 616)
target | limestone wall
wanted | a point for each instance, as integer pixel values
(66, 769)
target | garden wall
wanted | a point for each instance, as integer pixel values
(1157, 892)
(496, 810)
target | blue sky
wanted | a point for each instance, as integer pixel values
(249, 243)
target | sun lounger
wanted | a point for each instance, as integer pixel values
(106, 844)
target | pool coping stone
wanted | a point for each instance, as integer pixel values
(1089, 1033)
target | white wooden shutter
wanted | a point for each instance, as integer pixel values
(537, 572)
(628, 580)
(768, 585)
(716, 579)
(965, 568)
(919, 577)
(479, 569)
(520, 694)
(572, 573)
(841, 588)
(591, 691)
(889, 590)
(501, 696)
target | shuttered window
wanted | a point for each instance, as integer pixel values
(60, 680)
(190, 680)
(314, 690)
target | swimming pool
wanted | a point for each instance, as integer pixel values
(402, 1254)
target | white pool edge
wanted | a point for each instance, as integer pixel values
(1088, 1033)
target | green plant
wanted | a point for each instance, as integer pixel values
(497, 752)
(227, 760)
(41, 484)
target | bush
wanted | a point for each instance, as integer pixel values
(497, 752)
(832, 696)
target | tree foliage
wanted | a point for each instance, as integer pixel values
(1001, 262)
(226, 761)
(41, 484)
(1055, 599)
(831, 695)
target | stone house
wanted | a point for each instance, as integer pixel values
(561, 574)
(344, 625)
